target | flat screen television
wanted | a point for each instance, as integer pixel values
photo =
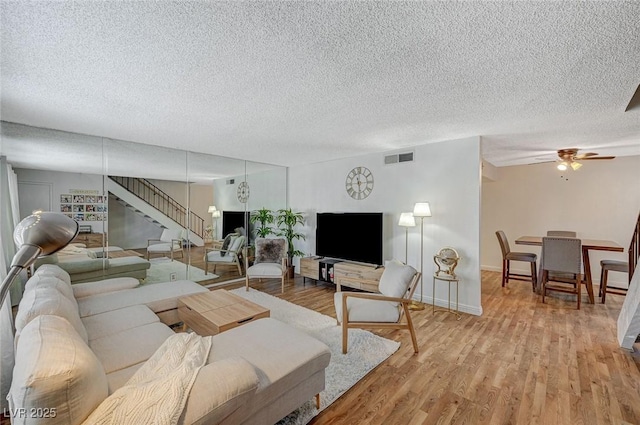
(232, 220)
(350, 236)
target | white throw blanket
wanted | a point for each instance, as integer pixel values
(158, 391)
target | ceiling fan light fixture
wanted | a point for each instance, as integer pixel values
(575, 165)
(562, 166)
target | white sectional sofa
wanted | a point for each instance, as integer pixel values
(76, 344)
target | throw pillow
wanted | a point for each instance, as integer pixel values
(395, 279)
(269, 250)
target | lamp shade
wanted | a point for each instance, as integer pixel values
(41, 233)
(421, 209)
(212, 209)
(406, 220)
(215, 214)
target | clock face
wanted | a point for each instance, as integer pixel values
(359, 183)
(243, 192)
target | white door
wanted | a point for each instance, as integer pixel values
(34, 196)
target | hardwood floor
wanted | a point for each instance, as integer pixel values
(521, 362)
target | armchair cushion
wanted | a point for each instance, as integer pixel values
(270, 250)
(395, 279)
(163, 247)
(265, 270)
(361, 310)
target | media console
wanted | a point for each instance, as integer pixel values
(341, 273)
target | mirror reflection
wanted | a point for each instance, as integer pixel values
(153, 213)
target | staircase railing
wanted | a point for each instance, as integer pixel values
(634, 249)
(164, 203)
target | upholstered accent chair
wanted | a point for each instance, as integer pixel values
(562, 266)
(508, 256)
(270, 260)
(386, 309)
(230, 256)
(170, 242)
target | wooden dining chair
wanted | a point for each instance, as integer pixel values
(561, 260)
(508, 256)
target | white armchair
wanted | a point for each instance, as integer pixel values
(270, 260)
(229, 256)
(383, 310)
(170, 242)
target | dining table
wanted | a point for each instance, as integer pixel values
(587, 246)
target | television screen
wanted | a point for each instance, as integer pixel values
(233, 219)
(350, 236)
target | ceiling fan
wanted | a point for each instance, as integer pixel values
(569, 158)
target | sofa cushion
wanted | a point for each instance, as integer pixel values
(131, 346)
(45, 280)
(113, 322)
(81, 290)
(158, 297)
(119, 378)
(55, 369)
(220, 388)
(49, 301)
(395, 279)
(278, 369)
(53, 270)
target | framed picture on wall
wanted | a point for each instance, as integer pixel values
(65, 207)
(78, 199)
(65, 199)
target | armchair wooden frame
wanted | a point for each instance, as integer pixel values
(260, 277)
(237, 259)
(404, 312)
(171, 250)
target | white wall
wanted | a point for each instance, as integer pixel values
(445, 174)
(599, 201)
(62, 183)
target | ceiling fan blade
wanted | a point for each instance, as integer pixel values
(597, 157)
(585, 155)
(575, 166)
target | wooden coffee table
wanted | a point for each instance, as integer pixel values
(210, 313)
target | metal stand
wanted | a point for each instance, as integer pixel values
(448, 279)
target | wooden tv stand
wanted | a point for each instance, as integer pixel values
(341, 273)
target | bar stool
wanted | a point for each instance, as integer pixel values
(508, 256)
(613, 266)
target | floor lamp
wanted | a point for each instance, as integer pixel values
(215, 214)
(421, 210)
(406, 221)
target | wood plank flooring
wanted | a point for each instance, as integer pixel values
(521, 362)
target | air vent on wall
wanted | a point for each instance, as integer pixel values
(231, 181)
(398, 157)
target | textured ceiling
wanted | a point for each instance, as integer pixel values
(299, 82)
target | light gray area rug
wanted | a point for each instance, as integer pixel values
(366, 350)
(162, 268)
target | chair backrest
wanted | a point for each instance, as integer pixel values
(169, 234)
(504, 243)
(561, 254)
(396, 279)
(237, 244)
(270, 250)
(563, 233)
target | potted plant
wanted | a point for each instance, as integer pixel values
(265, 217)
(287, 220)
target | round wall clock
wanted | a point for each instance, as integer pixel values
(243, 192)
(359, 183)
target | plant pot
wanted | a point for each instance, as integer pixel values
(291, 270)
